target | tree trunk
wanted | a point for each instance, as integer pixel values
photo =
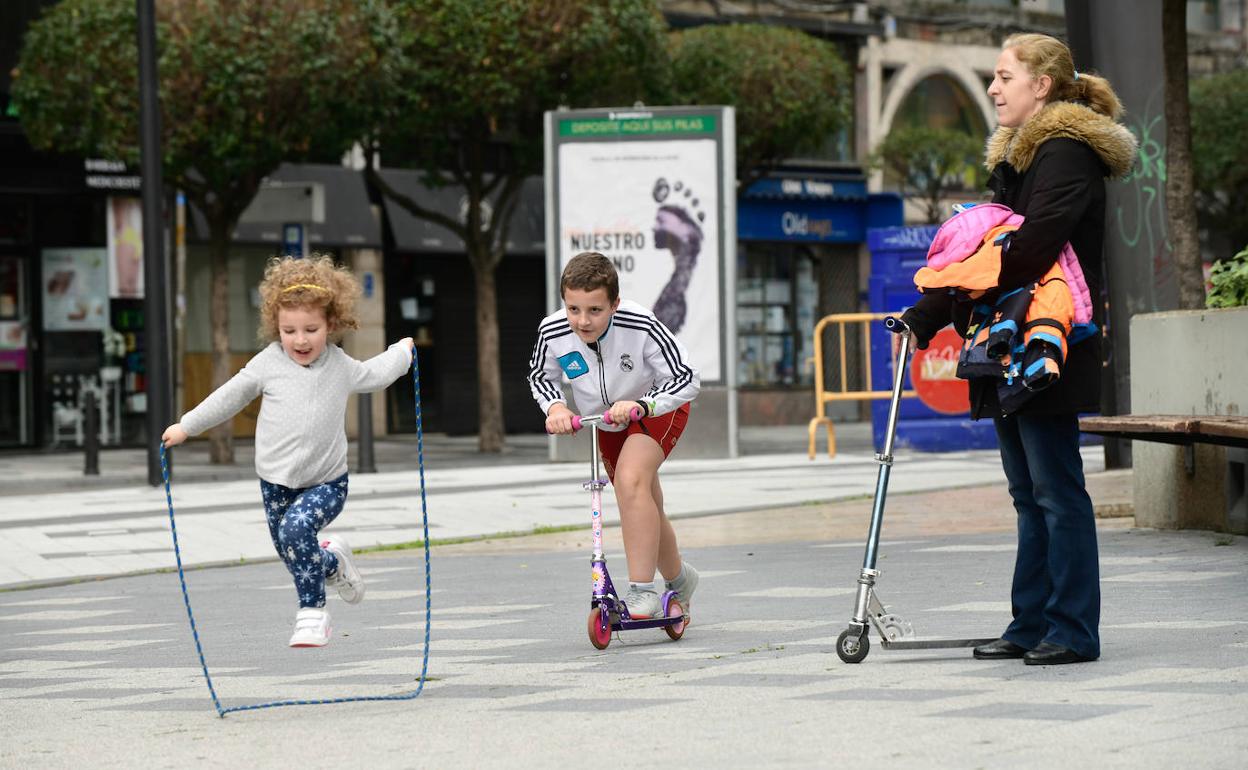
(490, 429)
(1180, 197)
(221, 437)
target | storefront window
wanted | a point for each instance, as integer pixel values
(16, 394)
(776, 299)
(14, 354)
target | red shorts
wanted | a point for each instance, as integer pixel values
(665, 429)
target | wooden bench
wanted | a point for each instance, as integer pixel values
(1171, 428)
(1184, 430)
(1209, 493)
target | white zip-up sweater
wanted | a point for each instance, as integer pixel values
(635, 359)
(301, 437)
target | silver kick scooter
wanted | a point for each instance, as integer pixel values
(895, 633)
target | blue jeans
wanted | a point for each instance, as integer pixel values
(296, 517)
(1056, 595)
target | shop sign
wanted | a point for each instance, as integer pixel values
(800, 220)
(109, 175)
(637, 124)
(795, 223)
(933, 372)
(896, 238)
(807, 189)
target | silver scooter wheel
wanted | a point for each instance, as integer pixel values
(852, 646)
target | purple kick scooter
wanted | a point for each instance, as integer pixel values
(608, 612)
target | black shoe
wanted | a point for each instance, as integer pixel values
(1049, 654)
(999, 650)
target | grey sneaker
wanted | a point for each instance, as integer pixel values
(643, 604)
(348, 580)
(685, 585)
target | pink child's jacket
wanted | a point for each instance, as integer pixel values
(962, 235)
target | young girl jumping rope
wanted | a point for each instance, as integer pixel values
(618, 358)
(301, 441)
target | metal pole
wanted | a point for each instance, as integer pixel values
(364, 438)
(179, 318)
(158, 359)
(91, 441)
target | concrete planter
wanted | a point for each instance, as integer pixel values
(1190, 362)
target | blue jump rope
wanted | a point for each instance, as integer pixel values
(424, 665)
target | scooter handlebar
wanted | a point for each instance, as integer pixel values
(579, 422)
(896, 325)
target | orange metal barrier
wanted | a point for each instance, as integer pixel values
(822, 397)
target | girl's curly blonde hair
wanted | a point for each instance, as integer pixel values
(316, 283)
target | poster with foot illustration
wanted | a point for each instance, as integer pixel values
(646, 188)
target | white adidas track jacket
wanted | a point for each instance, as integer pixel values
(636, 359)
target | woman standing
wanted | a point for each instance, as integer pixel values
(1056, 142)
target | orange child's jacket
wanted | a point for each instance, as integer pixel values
(1050, 314)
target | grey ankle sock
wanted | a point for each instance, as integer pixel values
(679, 580)
(642, 586)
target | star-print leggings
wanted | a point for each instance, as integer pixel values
(296, 517)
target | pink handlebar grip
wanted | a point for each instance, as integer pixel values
(634, 415)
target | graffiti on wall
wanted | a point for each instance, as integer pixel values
(1140, 212)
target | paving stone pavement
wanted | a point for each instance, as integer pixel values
(67, 535)
(105, 673)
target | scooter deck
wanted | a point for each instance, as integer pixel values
(933, 644)
(630, 625)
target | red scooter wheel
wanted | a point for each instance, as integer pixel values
(674, 610)
(599, 629)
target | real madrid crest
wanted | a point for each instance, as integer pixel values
(626, 363)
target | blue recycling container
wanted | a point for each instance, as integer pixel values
(896, 253)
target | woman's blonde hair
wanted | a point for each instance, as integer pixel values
(1044, 55)
(315, 282)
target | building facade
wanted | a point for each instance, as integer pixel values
(71, 315)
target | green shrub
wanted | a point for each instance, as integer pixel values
(1230, 282)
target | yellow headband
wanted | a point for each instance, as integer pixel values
(304, 286)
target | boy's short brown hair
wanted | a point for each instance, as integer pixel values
(590, 270)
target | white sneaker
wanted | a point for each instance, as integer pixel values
(643, 604)
(311, 628)
(348, 580)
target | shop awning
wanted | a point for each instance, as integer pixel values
(814, 206)
(799, 186)
(349, 220)
(526, 236)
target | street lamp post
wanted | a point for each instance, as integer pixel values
(158, 358)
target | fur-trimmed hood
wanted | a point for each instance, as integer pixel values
(1115, 145)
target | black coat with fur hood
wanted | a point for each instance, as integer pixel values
(1052, 170)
